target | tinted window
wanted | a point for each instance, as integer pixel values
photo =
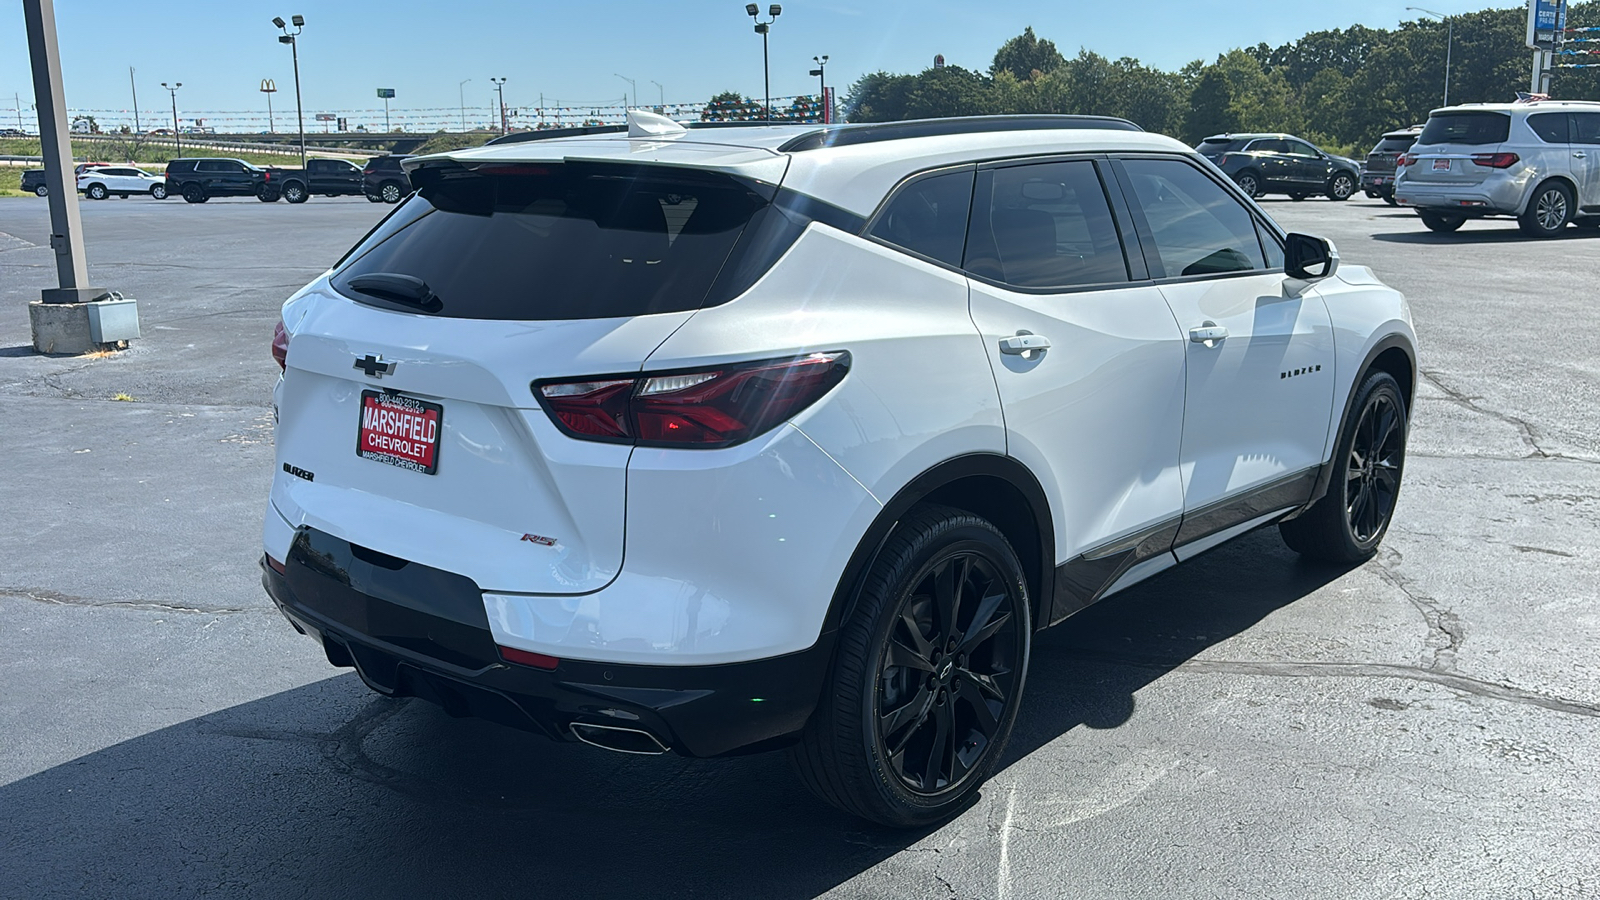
(1586, 128)
(553, 242)
(1270, 146)
(1215, 146)
(929, 216)
(1466, 128)
(1272, 246)
(1045, 225)
(215, 165)
(1391, 144)
(1198, 227)
(1550, 127)
(1300, 148)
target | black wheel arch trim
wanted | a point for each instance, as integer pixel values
(1393, 341)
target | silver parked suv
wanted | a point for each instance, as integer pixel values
(1538, 161)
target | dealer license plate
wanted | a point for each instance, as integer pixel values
(1441, 165)
(401, 431)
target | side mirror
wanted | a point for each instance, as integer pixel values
(1309, 259)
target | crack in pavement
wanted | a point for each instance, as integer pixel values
(1525, 429)
(56, 598)
(1445, 630)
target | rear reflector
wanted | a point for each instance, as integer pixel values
(715, 407)
(280, 345)
(1495, 160)
(525, 658)
(276, 566)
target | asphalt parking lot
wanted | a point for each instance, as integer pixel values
(1425, 725)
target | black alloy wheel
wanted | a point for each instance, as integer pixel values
(1548, 212)
(928, 674)
(194, 193)
(1342, 186)
(97, 192)
(1297, 196)
(1250, 183)
(390, 192)
(1350, 520)
(374, 198)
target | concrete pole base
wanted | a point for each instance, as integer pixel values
(73, 328)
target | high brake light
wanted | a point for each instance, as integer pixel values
(705, 408)
(280, 345)
(1495, 160)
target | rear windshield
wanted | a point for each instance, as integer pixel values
(1213, 146)
(560, 241)
(1398, 144)
(1466, 128)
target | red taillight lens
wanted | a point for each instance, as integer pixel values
(280, 345)
(526, 658)
(704, 408)
(1402, 161)
(1495, 160)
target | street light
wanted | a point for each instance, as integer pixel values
(762, 28)
(822, 86)
(1449, 41)
(633, 84)
(500, 86)
(461, 91)
(176, 135)
(663, 93)
(288, 37)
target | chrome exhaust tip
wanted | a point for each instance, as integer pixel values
(619, 739)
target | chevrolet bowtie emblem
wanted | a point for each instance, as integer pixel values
(374, 366)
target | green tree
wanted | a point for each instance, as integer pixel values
(947, 91)
(1024, 55)
(1210, 107)
(877, 97)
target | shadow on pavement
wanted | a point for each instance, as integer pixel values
(327, 790)
(1508, 235)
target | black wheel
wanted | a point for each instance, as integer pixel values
(1298, 197)
(374, 198)
(97, 192)
(41, 191)
(1389, 199)
(194, 193)
(123, 196)
(1441, 222)
(390, 192)
(1249, 182)
(1341, 186)
(158, 191)
(1348, 523)
(266, 194)
(1548, 211)
(295, 192)
(927, 676)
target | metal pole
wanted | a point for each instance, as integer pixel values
(299, 111)
(461, 96)
(270, 126)
(135, 88)
(662, 92)
(177, 135)
(55, 142)
(1449, 44)
(766, 73)
(386, 129)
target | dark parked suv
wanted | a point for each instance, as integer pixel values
(198, 180)
(1377, 176)
(33, 180)
(1281, 164)
(383, 180)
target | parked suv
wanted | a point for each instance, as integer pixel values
(1538, 161)
(1281, 164)
(1377, 174)
(33, 180)
(383, 180)
(199, 179)
(722, 440)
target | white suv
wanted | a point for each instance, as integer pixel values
(1538, 161)
(726, 439)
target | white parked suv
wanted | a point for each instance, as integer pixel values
(725, 439)
(1538, 161)
(101, 182)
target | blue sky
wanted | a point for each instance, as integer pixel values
(572, 51)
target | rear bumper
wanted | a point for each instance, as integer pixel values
(1493, 196)
(412, 631)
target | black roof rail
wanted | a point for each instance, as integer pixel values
(845, 135)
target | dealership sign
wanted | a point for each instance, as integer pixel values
(1546, 20)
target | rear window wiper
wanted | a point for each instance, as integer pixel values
(406, 290)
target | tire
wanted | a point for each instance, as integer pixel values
(1441, 222)
(1549, 210)
(266, 194)
(295, 192)
(1349, 522)
(1249, 182)
(1298, 197)
(1341, 186)
(1389, 199)
(194, 193)
(41, 191)
(97, 192)
(390, 192)
(158, 191)
(123, 196)
(374, 198)
(952, 707)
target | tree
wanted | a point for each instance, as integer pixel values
(947, 91)
(1025, 55)
(1210, 107)
(877, 97)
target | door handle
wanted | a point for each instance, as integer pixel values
(1022, 342)
(1579, 154)
(1210, 334)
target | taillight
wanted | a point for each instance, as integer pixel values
(266, 176)
(280, 345)
(1402, 161)
(1495, 160)
(714, 407)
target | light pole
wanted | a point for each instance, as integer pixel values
(176, 134)
(288, 37)
(633, 84)
(1449, 42)
(822, 86)
(461, 91)
(762, 28)
(269, 88)
(663, 95)
(500, 89)
(135, 87)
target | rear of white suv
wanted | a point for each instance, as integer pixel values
(723, 440)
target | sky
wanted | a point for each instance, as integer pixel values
(573, 52)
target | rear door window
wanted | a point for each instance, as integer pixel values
(1046, 225)
(212, 165)
(1473, 128)
(1198, 227)
(1586, 128)
(929, 217)
(562, 241)
(1550, 127)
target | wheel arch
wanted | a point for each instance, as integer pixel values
(1566, 181)
(1393, 354)
(996, 487)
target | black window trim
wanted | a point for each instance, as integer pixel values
(871, 221)
(1146, 238)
